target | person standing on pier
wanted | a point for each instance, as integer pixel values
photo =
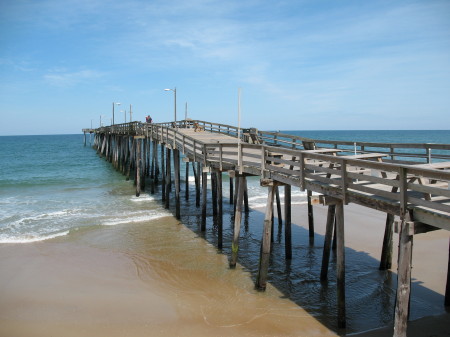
(148, 119)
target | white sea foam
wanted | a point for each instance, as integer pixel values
(142, 197)
(135, 218)
(28, 238)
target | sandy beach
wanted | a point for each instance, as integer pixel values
(113, 281)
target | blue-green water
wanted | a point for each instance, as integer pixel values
(50, 185)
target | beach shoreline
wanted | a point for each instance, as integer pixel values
(110, 281)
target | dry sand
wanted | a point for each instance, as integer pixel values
(92, 284)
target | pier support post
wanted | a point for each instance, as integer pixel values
(163, 174)
(231, 191)
(214, 192)
(153, 167)
(287, 222)
(176, 166)
(386, 253)
(186, 182)
(261, 279)
(220, 209)
(327, 242)
(168, 178)
(197, 183)
(204, 197)
(310, 218)
(403, 277)
(237, 220)
(246, 208)
(340, 263)
(447, 288)
(138, 166)
(277, 197)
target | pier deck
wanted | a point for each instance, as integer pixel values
(409, 182)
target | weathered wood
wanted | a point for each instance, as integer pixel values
(246, 207)
(236, 192)
(168, 178)
(340, 264)
(310, 217)
(176, 164)
(237, 220)
(231, 191)
(403, 279)
(447, 287)
(163, 174)
(327, 241)
(220, 209)
(386, 252)
(263, 269)
(204, 199)
(277, 194)
(197, 183)
(138, 167)
(214, 192)
(287, 222)
(186, 182)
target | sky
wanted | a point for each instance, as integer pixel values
(300, 64)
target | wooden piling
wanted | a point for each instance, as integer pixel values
(231, 191)
(163, 174)
(237, 220)
(176, 166)
(261, 279)
(246, 207)
(197, 183)
(310, 217)
(386, 252)
(214, 192)
(277, 195)
(220, 209)
(186, 182)
(204, 197)
(447, 288)
(403, 278)
(287, 222)
(340, 264)
(327, 242)
(138, 167)
(168, 178)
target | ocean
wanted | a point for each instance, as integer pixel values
(52, 186)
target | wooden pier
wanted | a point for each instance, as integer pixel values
(408, 182)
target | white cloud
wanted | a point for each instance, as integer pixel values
(63, 78)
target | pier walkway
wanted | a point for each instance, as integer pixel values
(408, 182)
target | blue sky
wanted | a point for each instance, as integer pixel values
(302, 65)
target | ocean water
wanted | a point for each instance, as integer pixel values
(52, 186)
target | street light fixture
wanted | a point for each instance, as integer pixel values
(175, 102)
(113, 111)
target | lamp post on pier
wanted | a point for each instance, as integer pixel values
(114, 103)
(175, 103)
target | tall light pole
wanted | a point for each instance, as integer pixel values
(175, 102)
(113, 111)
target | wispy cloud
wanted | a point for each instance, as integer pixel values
(62, 78)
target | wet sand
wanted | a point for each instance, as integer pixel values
(127, 280)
